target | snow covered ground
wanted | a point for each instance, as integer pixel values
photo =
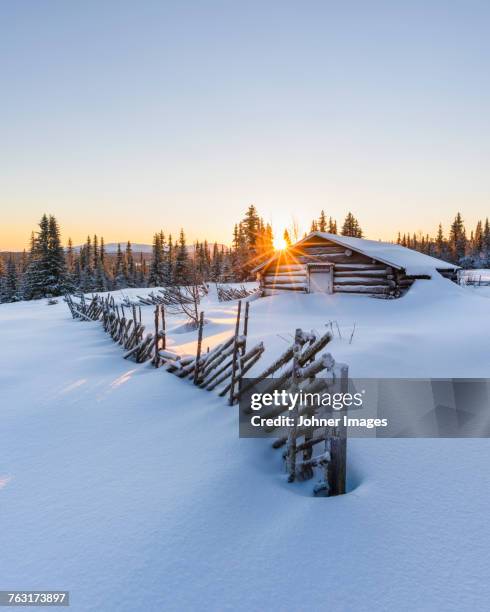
(131, 489)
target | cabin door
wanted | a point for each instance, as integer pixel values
(321, 279)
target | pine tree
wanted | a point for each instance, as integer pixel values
(332, 226)
(70, 256)
(322, 222)
(216, 264)
(478, 242)
(351, 227)
(181, 268)
(155, 278)
(286, 238)
(119, 269)
(130, 269)
(457, 239)
(314, 226)
(11, 283)
(36, 278)
(251, 225)
(486, 243)
(56, 260)
(440, 246)
(2, 279)
(95, 252)
(169, 262)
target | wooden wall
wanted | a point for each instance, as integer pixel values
(353, 273)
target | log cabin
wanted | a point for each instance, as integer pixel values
(329, 263)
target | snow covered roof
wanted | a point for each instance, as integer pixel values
(413, 262)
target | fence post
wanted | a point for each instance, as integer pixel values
(337, 466)
(235, 354)
(199, 344)
(156, 358)
(295, 380)
(164, 329)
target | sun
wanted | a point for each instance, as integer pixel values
(279, 243)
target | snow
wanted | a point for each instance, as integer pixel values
(130, 488)
(413, 262)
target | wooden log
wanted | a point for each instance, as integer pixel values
(217, 361)
(360, 289)
(368, 282)
(285, 268)
(284, 279)
(199, 344)
(291, 444)
(359, 266)
(337, 466)
(235, 354)
(286, 286)
(338, 274)
(226, 371)
(248, 361)
(278, 363)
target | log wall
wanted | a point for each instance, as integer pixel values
(353, 272)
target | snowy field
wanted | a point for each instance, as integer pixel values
(131, 489)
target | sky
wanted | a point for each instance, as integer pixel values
(122, 118)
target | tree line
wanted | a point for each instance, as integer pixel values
(49, 269)
(467, 251)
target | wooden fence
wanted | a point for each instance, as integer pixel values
(227, 294)
(224, 369)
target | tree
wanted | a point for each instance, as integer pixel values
(56, 263)
(332, 226)
(120, 280)
(216, 264)
(286, 238)
(130, 269)
(351, 227)
(322, 222)
(181, 268)
(36, 276)
(156, 266)
(11, 283)
(457, 239)
(251, 224)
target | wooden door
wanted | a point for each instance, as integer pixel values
(321, 280)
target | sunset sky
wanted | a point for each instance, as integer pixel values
(122, 118)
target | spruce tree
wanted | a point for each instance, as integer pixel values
(322, 222)
(36, 278)
(119, 269)
(130, 269)
(56, 260)
(155, 277)
(351, 227)
(11, 283)
(457, 239)
(181, 268)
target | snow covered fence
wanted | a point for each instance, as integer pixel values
(227, 294)
(172, 296)
(122, 323)
(224, 367)
(300, 367)
(87, 311)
